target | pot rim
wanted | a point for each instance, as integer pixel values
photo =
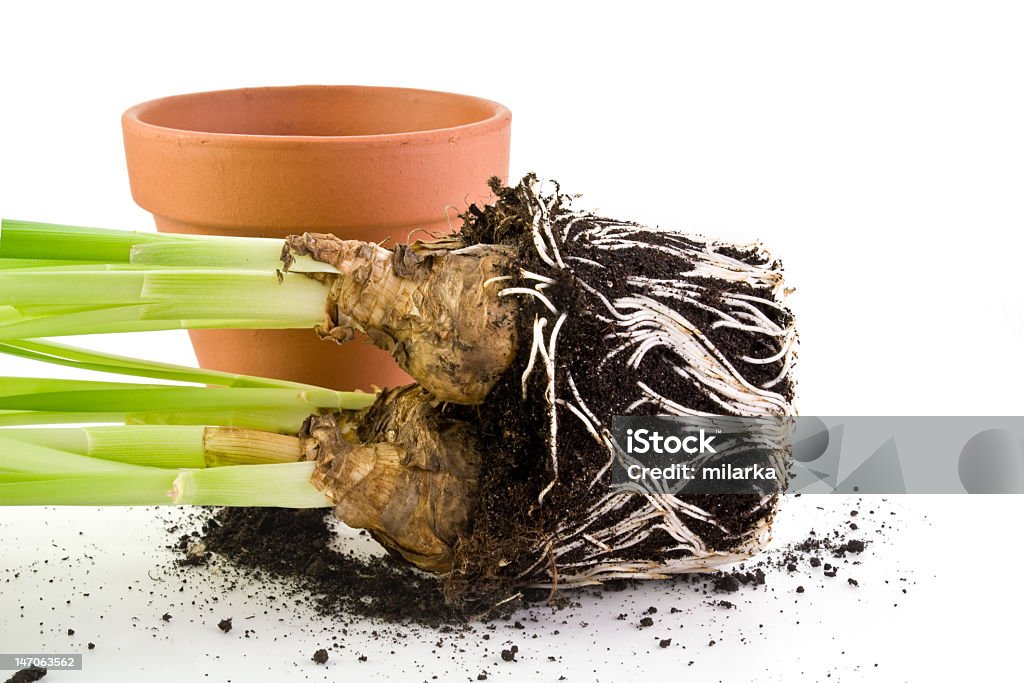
(132, 118)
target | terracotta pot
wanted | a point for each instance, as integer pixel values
(360, 162)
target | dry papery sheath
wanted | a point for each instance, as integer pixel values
(527, 333)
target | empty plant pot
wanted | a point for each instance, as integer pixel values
(360, 162)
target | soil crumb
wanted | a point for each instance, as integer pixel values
(27, 675)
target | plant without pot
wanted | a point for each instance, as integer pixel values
(366, 163)
(495, 469)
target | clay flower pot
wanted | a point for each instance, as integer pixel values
(360, 162)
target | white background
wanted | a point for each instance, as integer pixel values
(877, 147)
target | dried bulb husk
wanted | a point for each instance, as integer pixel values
(434, 307)
(411, 479)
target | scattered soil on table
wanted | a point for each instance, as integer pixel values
(201, 586)
(295, 545)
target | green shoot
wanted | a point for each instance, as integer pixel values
(58, 280)
(222, 253)
(167, 446)
(28, 401)
(84, 359)
(30, 240)
(147, 445)
(22, 456)
(145, 486)
(101, 300)
(68, 244)
(285, 485)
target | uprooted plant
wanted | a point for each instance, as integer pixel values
(526, 333)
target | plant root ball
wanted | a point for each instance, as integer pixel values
(552, 321)
(616, 319)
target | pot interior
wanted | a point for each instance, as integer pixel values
(320, 111)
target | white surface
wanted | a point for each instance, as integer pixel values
(957, 620)
(875, 146)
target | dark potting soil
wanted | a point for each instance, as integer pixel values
(295, 545)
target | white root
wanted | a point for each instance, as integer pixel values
(532, 292)
(536, 343)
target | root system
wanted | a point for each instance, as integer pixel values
(528, 333)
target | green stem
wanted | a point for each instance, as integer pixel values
(27, 386)
(153, 398)
(25, 418)
(222, 253)
(67, 244)
(31, 401)
(148, 486)
(146, 445)
(282, 421)
(21, 456)
(166, 446)
(88, 302)
(285, 485)
(84, 359)
(6, 263)
(30, 240)
(127, 282)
